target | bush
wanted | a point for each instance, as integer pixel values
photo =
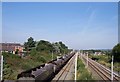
(26, 66)
(7, 72)
(13, 64)
(41, 59)
(33, 52)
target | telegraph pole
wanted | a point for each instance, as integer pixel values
(76, 66)
(1, 68)
(112, 69)
(87, 60)
(52, 55)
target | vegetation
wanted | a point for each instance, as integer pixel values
(82, 72)
(29, 44)
(103, 51)
(14, 64)
(32, 46)
(44, 46)
(106, 61)
(62, 47)
(36, 53)
(107, 57)
(102, 59)
(91, 51)
(116, 53)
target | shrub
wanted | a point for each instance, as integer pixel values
(41, 59)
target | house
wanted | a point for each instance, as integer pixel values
(98, 53)
(11, 47)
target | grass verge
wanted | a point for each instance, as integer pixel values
(82, 72)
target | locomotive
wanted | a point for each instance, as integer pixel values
(45, 71)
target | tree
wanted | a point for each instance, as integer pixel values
(44, 46)
(63, 47)
(17, 51)
(56, 48)
(29, 44)
(116, 52)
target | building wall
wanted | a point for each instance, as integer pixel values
(19, 48)
(11, 47)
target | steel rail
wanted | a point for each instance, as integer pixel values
(64, 71)
(102, 71)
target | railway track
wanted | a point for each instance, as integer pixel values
(102, 71)
(64, 73)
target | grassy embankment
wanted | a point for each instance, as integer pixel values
(106, 61)
(82, 72)
(14, 64)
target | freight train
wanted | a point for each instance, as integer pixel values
(45, 72)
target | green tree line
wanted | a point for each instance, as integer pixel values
(32, 46)
(115, 51)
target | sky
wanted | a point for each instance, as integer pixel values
(60, 0)
(80, 25)
(0, 22)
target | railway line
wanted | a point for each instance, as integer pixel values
(64, 73)
(102, 71)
